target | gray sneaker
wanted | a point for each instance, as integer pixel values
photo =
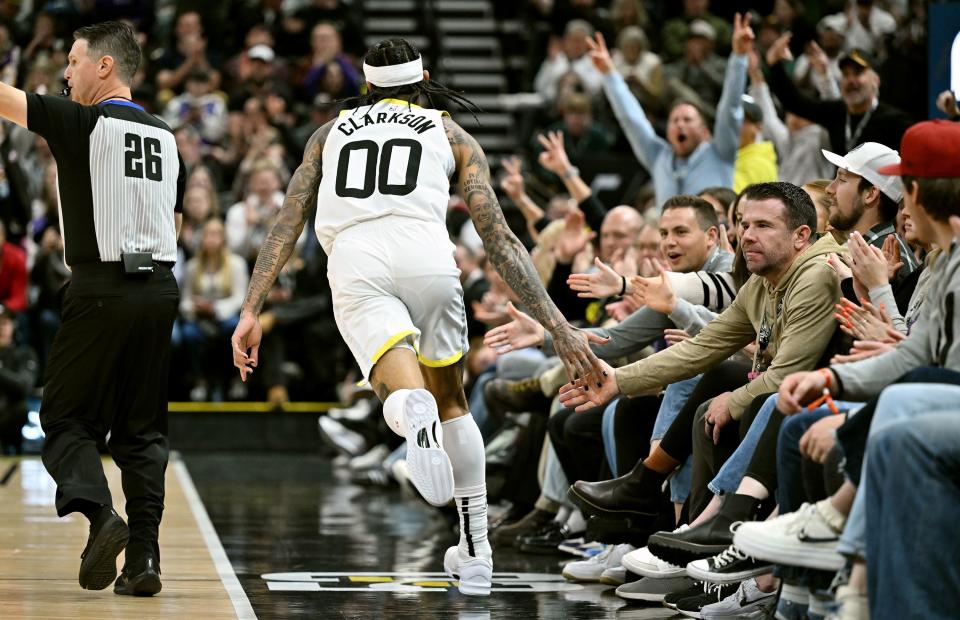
(747, 602)
(653, 590)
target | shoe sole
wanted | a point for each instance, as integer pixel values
(682, 553)
(611, 581)
(146, 584)
(762, 548)
(569, 576)
(430, 469)
(99, 568)
(643, 571)
(699, 574)
(649, 598)
(589, 508)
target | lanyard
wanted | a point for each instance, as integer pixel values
(763, 340)
(852, 140)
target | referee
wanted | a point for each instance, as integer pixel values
(120, 181)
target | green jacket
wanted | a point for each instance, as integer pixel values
(801, 330)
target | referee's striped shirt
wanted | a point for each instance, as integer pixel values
(119, 176)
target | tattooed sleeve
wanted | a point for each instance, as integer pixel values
(298, 204)
(504, 250)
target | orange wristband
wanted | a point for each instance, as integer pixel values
(826, 375)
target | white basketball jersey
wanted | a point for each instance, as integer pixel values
(390, 158)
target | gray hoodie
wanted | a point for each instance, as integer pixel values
(932, 341)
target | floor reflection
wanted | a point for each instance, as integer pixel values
(305, 543)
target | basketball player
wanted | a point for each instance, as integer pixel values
(379, 177)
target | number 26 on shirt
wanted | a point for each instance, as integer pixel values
(142, 157)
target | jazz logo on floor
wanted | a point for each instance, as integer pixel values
(408, 582)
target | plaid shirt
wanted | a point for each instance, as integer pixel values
(876, 236)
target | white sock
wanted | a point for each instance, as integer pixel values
(463, 443)
(562, 515)
(795, 594)
(576, 522)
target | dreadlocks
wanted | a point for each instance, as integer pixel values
(398, 51)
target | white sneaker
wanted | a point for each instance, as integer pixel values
(642, 562)
(359, 411)
(475, 574)
(802, 538)
(592, 569)
(341, 438)
(747, 602)
(852, 605)
(429, 466)
(373, 457)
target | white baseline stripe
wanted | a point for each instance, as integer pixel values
(241, 604)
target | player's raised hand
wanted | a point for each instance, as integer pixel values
(522, 331)
(245, 337)
(599, 53)
(743, 37)
(573, 348)
(604, 282)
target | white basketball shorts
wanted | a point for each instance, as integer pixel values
(395, 283)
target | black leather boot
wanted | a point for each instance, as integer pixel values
(635, 493)
(707, 539)
(139, 577)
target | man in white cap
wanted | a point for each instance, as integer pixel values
(865, 201)
(380, 173)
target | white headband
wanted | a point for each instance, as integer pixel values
(394, 75)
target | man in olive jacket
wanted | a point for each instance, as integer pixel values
(786, 307)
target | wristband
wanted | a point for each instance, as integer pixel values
(826, 375)
(571, 172)
(623, 288)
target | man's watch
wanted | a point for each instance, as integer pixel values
(571, 172)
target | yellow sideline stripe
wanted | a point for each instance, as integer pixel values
(447, 361)
(390, 343)
(248, 407)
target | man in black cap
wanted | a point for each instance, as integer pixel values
(858, 117)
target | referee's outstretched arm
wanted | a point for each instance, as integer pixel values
(13, 104)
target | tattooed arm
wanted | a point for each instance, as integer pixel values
(511, 259)
(298, 204)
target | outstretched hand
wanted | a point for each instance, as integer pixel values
(604, 282)
(521, 332)
(599, 54)
(780, 50)
(577, 395)
(246, 337)
(554, 156)
(743, 37)
(655, 293)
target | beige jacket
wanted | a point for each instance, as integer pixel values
(800, 331)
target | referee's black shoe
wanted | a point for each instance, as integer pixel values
(139, 578)
(98, 562)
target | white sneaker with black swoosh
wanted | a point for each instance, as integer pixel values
(802, 538)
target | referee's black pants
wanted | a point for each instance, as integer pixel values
(107, 372)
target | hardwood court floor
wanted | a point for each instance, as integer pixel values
(40, 556)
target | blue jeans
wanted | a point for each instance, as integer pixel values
(674, 399)
(478, 405)
(898, 403)
(912, 500)
(731, 474)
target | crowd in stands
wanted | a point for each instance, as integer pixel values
(788, 257)
(782, 258)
